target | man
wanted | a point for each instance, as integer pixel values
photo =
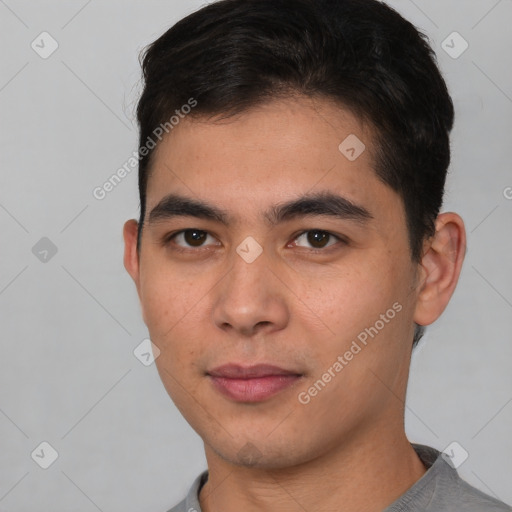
(290, 250)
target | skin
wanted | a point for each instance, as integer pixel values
(293, 307)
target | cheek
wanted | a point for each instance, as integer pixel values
(169, 299)
(346, 299)
(172, 306)
(176, 305)
(362, 302)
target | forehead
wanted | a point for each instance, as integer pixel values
(267, 155)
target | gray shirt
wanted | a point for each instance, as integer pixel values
(440, 489)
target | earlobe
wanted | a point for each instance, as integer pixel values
(131, 256)
(440, 268)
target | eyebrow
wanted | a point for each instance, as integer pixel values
(318, 204)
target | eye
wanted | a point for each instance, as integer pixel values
(188, 238)
(317, 239)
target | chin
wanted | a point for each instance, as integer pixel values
(262, 454)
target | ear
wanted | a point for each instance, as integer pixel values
(131, 256)
(440, 268)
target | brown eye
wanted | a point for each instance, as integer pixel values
(189, 239)
(316, 239)
(194, 237)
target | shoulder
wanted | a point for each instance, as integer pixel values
(180, 507)
(470, 499)
(445, 490)
(191, 502)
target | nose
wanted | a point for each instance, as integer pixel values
(250, 299)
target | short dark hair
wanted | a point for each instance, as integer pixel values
(232, 55)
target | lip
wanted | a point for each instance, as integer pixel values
(237, 371)
(251, 383)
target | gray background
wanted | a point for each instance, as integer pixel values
(70, 324)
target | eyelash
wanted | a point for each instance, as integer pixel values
(168, 239)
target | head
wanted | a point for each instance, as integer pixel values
(312, 135)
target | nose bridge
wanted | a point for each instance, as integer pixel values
(249, 272)
(249, 296)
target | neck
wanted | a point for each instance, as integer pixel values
(361, 476)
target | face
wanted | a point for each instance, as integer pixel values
(297, 258)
